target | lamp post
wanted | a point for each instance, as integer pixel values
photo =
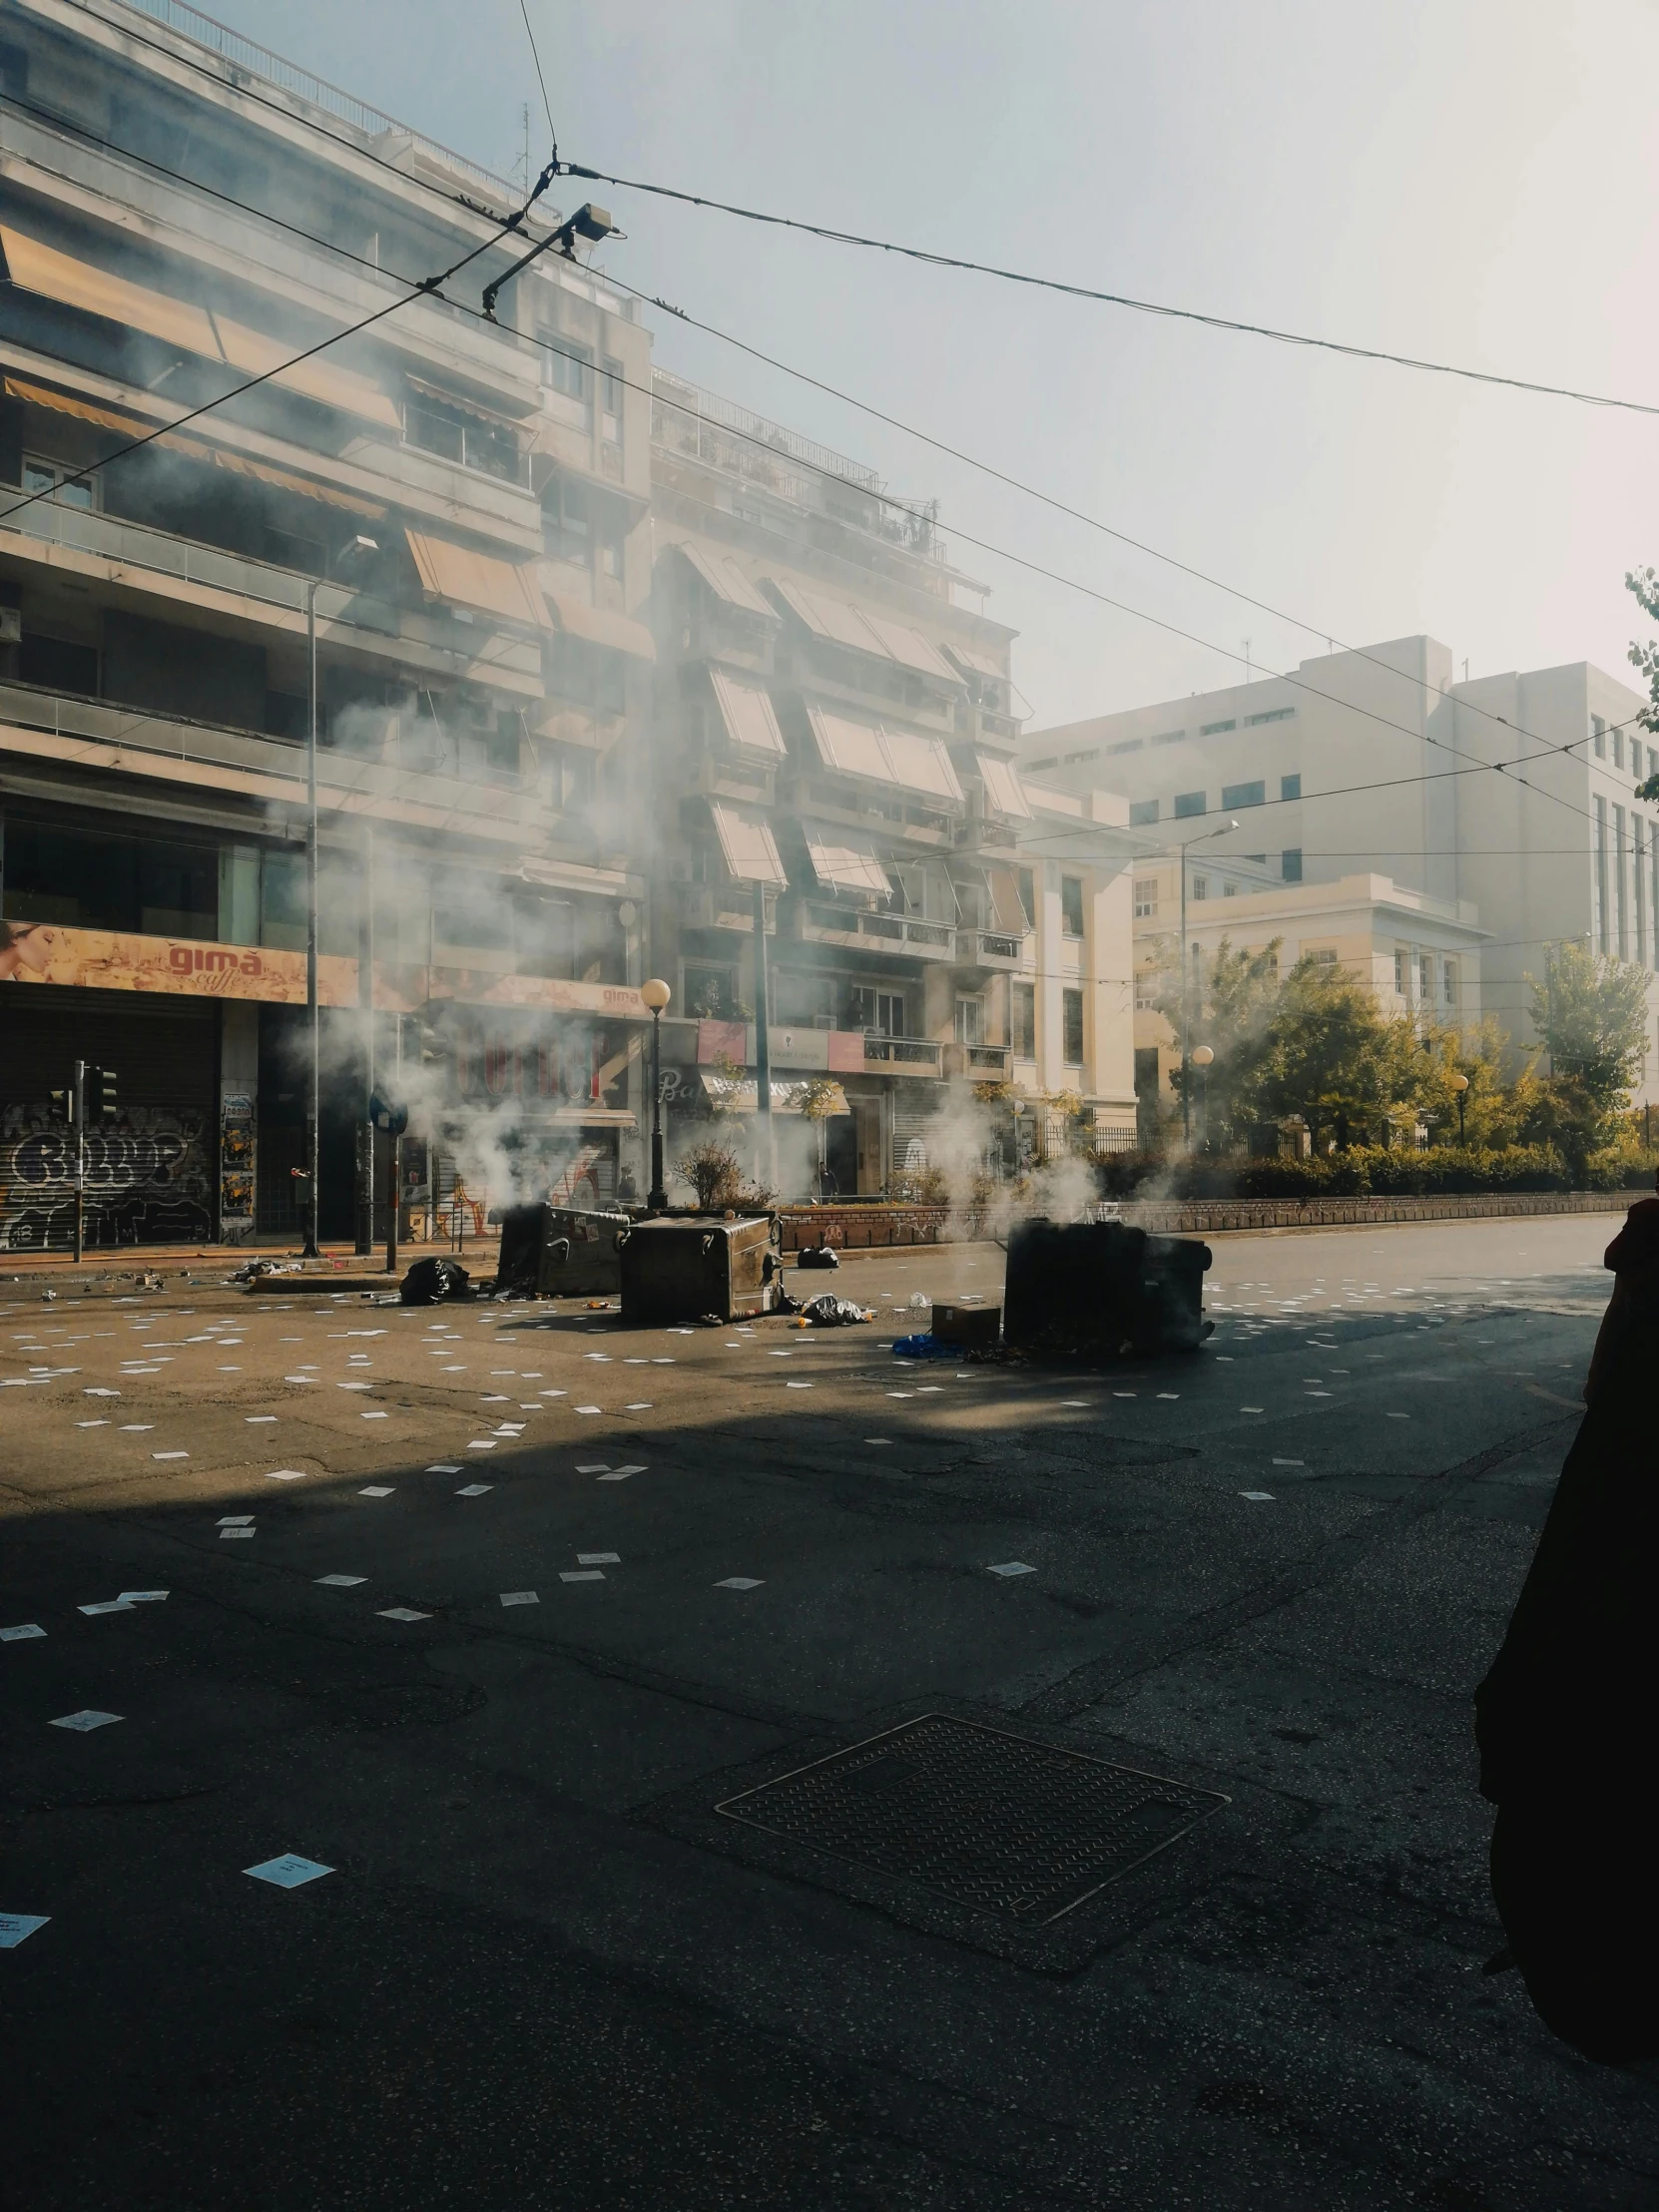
(314, 1021)
(1202, 1058)
(656, 994)
(1460, 1084)
(1186, 986)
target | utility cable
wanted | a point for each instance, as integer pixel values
(552, 130)
(1110, 299)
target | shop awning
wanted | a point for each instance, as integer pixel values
(133, 427)
(747, 845)
(748, 713)
(725, 579)
(455, 572)
(1002, 785)
(37, 267)
(850, 746)
(843, 861)
(321, 378)
(740, 1094)
(861, 628)
(601, 625)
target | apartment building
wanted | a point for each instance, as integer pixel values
(1510, 795)
(460, 508)
(834, 766)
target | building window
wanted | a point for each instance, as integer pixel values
(1229, 891)
(1290, 786)
(610, 398)
(1620, 883)
(59, 483)
(1071, 906)
(1273, 714)
(1146, 899)
(1024, 1011)
(1187, 802)
(492, 448)
(1653, 886)
(1448, 979)
(566, 532)
(1618, 746)
(1129, 745)
(1201, 886)
(1599, 736)
(566, 366)
(1322, 955)
(1142, 811)
(1214, 728)
(1598, 878)
(1071, 1024)
(1243, 795)
(1425, 980)
(1074, 760)
(57, 664)
(971, 1021)
(1167, 736)
(1052, 762)
(1025, 885)
(879, 1011)
(1636, 758)
(1146, 983)
(1290, 863)
(1400, 971)
(1639, 872)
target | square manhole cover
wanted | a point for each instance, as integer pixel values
(996, 1821)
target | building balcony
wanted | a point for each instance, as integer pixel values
(979, 726)
(984, 1064)
(717, 907)
(903, 1055)
(847, 926)
(990, 948)
(863, 810)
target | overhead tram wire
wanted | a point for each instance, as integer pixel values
(422, 288)
(552, 131)
(1111, 299)
(1368, 713)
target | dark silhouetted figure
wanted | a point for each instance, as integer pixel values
(1568, 1718)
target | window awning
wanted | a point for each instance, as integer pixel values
(455, 572)
(747, 846)
(863, 630)
(1002, 785)
(740, 1094)
(601, 625)
(321, 379)
(725, 579)
(748, 713)
(473, 408)
(970, 658)
(850, 746)
(845, 861)
(133, 427)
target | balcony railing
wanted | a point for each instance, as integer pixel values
(922, 1054)
(989, 948)
(985, 1063)
(929, 940)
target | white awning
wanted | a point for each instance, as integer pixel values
(748, 713)
(740, 1094)
(910, 647)
(725, 579)
(618, 633)
(1003, 788)
(970, 658)
(472, 579)
(863, 630)
(923, 765)
(747, 845)
(843, 861)
(850, 746)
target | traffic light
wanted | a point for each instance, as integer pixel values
(102, 1101)
(63, 1107)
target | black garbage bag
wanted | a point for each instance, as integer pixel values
(815, 1255)
(431, 1281)
(832, 1312)
(1565, 1718)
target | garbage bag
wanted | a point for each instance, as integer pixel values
(430, 1281)
(1564, 1718)
(815, 1255)
(832, 1312)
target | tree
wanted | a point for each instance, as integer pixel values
(1232, 1007)
(1643, 584)
(1335, 1061)
(1591, 1014)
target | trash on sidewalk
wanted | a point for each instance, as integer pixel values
(430, 1281)
(817, 1256)
(833, 1313)
(251, 1271)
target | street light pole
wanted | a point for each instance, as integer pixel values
(656, 995)
(314, 1021)
(1186, 993)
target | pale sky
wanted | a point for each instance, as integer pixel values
(1465, 180)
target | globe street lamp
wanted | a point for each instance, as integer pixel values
(1203, 1060)
(656, 994)
(1460, 1084)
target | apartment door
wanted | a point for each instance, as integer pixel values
(868, 1127)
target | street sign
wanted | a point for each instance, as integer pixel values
(383, 1115)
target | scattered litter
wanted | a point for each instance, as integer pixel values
(1396, 1416)
(92, 1424)
(255, 1418)
(144, 1597)
(85, 1721)
(878, 1439)
(21, 1633)
(835, 1313)
(1074, 1402)
(169, 1456)
(1123, 1393)
(401, 1613)
(1290, 1462)
(341, 1581)
(287, 1474)
(483, 1443)
(99, 1393)
(237, 1520)
(1013, 1566)
(14, 1927)
(375, 1416)
(593, 1466)
(737, 1582)
(430, 1280)
(519, 1597)
(473, 1489)
(582, 1574)
(129, 1428)
(377, 1489)
(1169, 1394)
(1259, 1497)
(288, 1872)
(815, 1255)
(443, 1469)
(253, 1270)
(919, 1299)
(587, 1408)
(638, 1405)
(797, 1386)
(599, 1558)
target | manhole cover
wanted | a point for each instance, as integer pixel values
(1009, 1827)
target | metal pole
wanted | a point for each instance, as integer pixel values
(365, 999)
(78, 1107)
(395, 1194)
(763, 1041)
(657, 1197)
(1186, 1073)
(314, 1023)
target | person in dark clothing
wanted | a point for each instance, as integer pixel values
(1566, 1720)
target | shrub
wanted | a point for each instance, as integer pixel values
(712, 1170)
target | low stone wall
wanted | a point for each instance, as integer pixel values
(878, 1227)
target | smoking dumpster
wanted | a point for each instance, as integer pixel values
(682, 1267)
(1101, 1290)
(560, 1252)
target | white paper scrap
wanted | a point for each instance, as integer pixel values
(582, 1574)
(797, 1386)
(639, 1405)
(287, 1474)
(636, 1466)
(14, 1927)
(519, 1597)
(257, 1419)
(235, 1520)
(1013, 1566)
(377, 1489)
(476, 1490)
(130, 1428)
(106, 1605)
(1396, 1416)
(92, 1424)
(144, 1597)
(593, 1466)
(401, 1613)
(737, 1582)
(443, 1468)
(343, 1581)
(588, 1408)
(86, 1720)
(287, 1872)
(21, 1633)
(483, 1443)
(1290, 1462)
(1259, 1497)
(169, 1456)
(599, 1558)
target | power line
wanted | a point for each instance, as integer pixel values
(552, 131)
(548, 345)
(1112, 298)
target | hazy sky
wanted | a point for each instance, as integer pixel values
(1466, 179)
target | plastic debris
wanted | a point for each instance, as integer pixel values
(835, 1313)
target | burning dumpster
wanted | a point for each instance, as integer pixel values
(1101, 1290)
(683, 1268)
(560, 1252)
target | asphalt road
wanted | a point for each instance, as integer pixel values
(545, 1970)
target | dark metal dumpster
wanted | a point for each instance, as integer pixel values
(682, 1269)
(560, 1252)
(1101, 1290)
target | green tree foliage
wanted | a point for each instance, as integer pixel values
(1592, 1017)
(1348, 1070)
(1643, 584)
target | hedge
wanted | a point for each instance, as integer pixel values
(1375, 1171)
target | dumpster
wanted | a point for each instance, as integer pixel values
(685, 1267)
(560, 1252)
(1101, 1290)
